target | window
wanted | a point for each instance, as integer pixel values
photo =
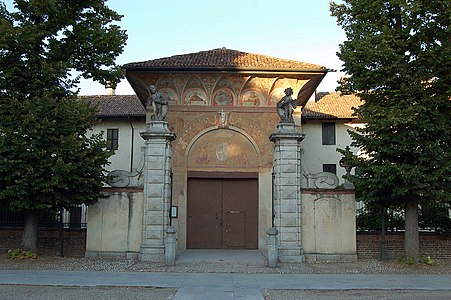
(112, 139)
(328, 133)
(331, 168)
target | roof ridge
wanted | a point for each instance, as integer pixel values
(223, 58)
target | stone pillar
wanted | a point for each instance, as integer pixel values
(157, 190)
(287, 191)
(273, 247)
(170, 246)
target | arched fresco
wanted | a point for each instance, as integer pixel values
(221, 149)
(189, 126)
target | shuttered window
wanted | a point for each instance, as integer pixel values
(328, 133)
(112, 139)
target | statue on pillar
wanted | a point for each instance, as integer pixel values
(159, 104)
(286, 106)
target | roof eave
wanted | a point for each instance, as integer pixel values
(226, 69)
(303, 96)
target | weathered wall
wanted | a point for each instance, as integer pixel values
(328, 224)
(115, 224)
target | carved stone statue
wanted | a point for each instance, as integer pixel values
(159, 104)
(286, 106)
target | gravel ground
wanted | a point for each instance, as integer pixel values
(355, 294)
(123, 265)
(23, 292)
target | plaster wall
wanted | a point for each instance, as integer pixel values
(128, 132)
(315, 154)
(264, 208)
(115, 225)
(328, 225)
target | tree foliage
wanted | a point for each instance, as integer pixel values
(48, 159)
(43, 42)
(398, 59)
(432, 216)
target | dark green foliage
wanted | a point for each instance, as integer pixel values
(398, 59)
(436, 216)
(432, 216)
(43, 41)
(48, 159)
(369, 218)
(20, 254)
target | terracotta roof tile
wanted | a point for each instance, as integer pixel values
(331, 106)
(222, 58)
(117, 106)
(327, 106)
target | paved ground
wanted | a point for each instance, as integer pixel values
(219, 275)
(225, 286)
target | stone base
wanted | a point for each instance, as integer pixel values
(330, 257)
(105, 254)
(158, 126)
(151, 254)
(132, 255)
(291, 255)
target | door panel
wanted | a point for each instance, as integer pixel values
(214, 200)
(204, 230)
(242, 195)
(235, 229)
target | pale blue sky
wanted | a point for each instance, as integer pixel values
(301, 30)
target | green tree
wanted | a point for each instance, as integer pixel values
(398, 59)
(48, 159)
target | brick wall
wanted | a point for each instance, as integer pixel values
(431, 244)
(368, 243)
(74, 241)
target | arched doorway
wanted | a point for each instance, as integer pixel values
(222, 192)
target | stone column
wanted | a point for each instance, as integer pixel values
(157, 189)
(287, 191)
(170, 244)
(273, 247)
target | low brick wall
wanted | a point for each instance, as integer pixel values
(368, 243)
(431, 244)
(74, 243)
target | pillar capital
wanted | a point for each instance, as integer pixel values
(158, 130)
(286, 131)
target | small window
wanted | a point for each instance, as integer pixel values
(112, 139)
(331, 168)
(328, 133)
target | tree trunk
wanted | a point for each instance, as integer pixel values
(411, 239)
(30, 232)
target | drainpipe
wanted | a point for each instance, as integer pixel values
(132, 146)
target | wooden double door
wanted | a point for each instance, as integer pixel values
(222, 213)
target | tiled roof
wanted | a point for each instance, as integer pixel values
(117, 106)
(331, 106)
(327, 106)
(222, 58)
